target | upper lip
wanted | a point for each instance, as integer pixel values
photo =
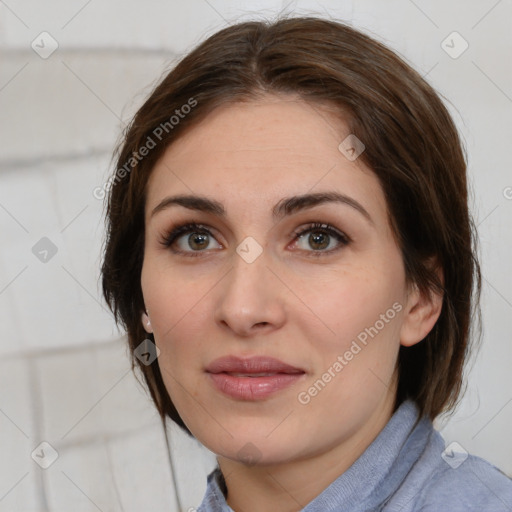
(255, 364)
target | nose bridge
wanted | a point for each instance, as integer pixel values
(251, 295)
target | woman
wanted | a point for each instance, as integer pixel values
(288, 224)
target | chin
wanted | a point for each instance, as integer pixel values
(255, 450)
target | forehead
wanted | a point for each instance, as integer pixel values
(246, 153)
(266, 127)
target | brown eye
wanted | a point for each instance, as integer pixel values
(318, 240)
(322, 238)
(199, 239)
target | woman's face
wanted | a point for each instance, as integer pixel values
(293, 260)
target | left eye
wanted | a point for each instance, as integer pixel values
(322, 238)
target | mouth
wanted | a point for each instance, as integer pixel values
(254, 378)
(236, 374)
(251, 366)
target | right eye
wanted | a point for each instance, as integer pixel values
(199, 239)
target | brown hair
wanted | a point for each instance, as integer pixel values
(412, 146)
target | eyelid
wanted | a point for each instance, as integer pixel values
(316, 225)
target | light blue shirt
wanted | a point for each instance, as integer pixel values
(405, 469)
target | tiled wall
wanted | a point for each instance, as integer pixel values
(64, 374)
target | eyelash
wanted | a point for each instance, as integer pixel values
(191, 227)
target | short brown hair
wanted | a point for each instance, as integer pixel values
(412, 146)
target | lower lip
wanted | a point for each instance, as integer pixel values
(253, 388)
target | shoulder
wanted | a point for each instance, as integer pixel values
(474, 485)
(450, 479)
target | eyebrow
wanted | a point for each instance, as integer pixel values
(286, 206)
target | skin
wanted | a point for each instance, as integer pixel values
(302, 308)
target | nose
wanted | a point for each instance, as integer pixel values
(251, 298)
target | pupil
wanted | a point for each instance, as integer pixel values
(197, 240)
(318, 239)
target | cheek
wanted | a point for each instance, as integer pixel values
(355, 300)
(181, 317)
(170, 303)
(171, 297)
(359, 314)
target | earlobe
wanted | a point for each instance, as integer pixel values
(421, 314)
(146, 322)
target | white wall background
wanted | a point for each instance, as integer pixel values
(64, 373)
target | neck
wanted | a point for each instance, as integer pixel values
(290, 486)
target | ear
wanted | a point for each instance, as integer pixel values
(146, 322)
(421, 313)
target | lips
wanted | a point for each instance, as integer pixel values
(252, 366)
(253, 378)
